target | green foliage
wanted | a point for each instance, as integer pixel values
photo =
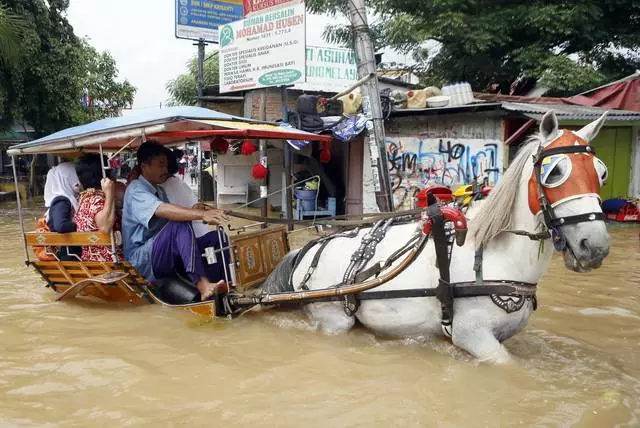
(109, 96)
(56, 68)
(564, 76)
(183, 90)
(569, 43)
(11, 29)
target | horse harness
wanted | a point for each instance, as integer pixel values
(508, 295)
(445, 292)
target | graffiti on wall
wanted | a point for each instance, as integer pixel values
(416, 163)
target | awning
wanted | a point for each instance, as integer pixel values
(571, 112)
(9, 136)
(169, 126)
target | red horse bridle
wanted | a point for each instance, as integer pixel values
(580, 179)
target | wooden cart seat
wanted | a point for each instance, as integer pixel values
(62, 275)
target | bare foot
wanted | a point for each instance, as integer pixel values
(206, 289)
(221, 287)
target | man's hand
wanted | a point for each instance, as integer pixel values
(214, 216)
(202, 206)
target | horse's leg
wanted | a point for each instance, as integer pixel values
(330, 317)
(481, 343)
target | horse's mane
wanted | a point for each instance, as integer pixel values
(496, 212)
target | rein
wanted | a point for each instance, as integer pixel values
(337, 221)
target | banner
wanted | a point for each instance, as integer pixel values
(253, 6)
(265, 49)
(200, 19)
(329, 69)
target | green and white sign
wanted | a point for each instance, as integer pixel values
(266, 49)
(329, 69)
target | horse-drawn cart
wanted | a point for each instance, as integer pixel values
(548, 194)
(254, 255)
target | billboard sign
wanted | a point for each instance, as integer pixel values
(265, 49)
(329, 69)
(258, 6)
(200, 19)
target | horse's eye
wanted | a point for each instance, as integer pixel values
(555, 170)
(601, 169)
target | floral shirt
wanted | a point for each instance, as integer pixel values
(92, 201)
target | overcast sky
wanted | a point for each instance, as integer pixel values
(140, 36)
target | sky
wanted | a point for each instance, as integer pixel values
(140, 36)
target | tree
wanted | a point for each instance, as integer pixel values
(108, 96)
(571, 45)
(11, 28)
(56, 70)
(183, 90)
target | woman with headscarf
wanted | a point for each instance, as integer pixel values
(61, 198)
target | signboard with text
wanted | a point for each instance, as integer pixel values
(265, 49)
(329, 69)
(200, 19)
(259, 6)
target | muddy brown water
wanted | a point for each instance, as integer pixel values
(90, 364)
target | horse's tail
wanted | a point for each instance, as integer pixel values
(278, 280)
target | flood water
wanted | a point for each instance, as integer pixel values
(89, 364)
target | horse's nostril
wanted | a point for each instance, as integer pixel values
(584, 244)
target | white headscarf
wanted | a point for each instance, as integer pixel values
(62, 180)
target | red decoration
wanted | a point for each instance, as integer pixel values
(259, 171)
(220, 145)
(247, 148)
(325, 152)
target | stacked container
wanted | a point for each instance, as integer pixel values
(460, 93)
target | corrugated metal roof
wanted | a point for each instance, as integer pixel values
(569, 112)
(466, 108)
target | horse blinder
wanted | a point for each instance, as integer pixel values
(550, 183)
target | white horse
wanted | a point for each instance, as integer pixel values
(479, 326)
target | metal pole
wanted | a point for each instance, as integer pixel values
(15, 182)
(201, 45)
(264, 186)
(365, 56)
(114, 257)
(288, 194)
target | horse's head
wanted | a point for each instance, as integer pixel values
(564, 189)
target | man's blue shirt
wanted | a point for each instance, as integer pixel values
(140, 225)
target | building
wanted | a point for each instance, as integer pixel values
(458, 145)
(234, 183)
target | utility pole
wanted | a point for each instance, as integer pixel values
(366, 61)
(262, 144)
(201, 44)
(288, 193)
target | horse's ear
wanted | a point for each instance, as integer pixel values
(590, 131)
(549, 127)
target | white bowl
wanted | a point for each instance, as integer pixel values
(439, 101)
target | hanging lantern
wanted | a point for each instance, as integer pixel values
(325, 153)
(259, 171)
(247, 148)
(220, 145)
